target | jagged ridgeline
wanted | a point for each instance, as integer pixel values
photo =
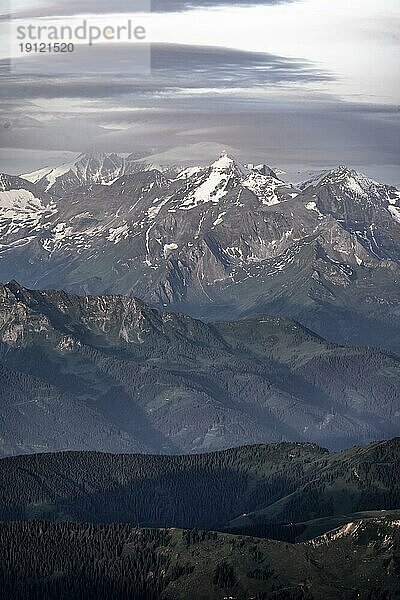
(219, 241)
(108, 373)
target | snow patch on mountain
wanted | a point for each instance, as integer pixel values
(395, 197)
(212, 189)
(263, 186)
(354, 185)
(154, 210)
(395, 212)
(189, 172)
(350, 529)
(61, 231)
(214, 183)
(49, 174)
(20, 209)
(219, 219)
(168, 248)
(313, 206)
(118, 233)
(312, 181)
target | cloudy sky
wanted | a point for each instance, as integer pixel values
(301, 84)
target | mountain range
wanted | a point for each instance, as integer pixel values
(217, 242)
(109, 373)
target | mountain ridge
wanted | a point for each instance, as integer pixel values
(219, 241)
(155, 381)
(276, 484)
(360, 561)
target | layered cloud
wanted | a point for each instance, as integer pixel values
(289, 90)
(178, 66)
(46, 8)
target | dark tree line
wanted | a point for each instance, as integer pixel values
(53, 562)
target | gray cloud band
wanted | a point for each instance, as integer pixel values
(176, 66)
(50, 8)
(195, 99)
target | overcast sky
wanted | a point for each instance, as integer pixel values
(301, 84)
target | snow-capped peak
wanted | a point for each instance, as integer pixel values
(352, 193)
(92, 167)
(339, 175)
(228, 163)
(213, 183)
(358, 186)
(223, 162)
(350, 182)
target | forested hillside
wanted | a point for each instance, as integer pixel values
(237, 488)
(43, 561)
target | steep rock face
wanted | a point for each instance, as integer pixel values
(369, 211)
(167, 382)
(27, 315)
(221, 241)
